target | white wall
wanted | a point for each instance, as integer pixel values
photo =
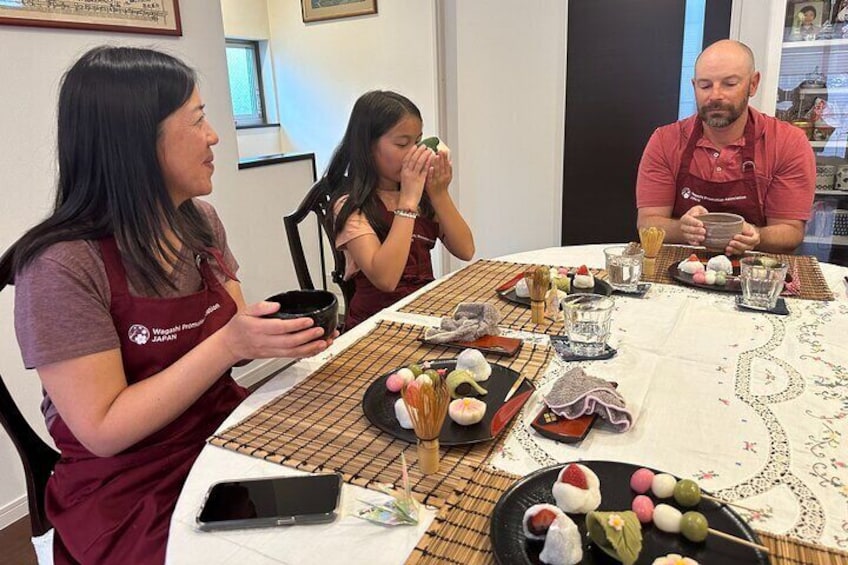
(248, 19)
(251, 203)
(321, 68)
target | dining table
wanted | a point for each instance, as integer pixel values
(753, 406)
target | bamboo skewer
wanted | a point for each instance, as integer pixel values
(740, 541)
(725, 502)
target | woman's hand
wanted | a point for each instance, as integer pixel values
(249, 336)
(691, 228)
(413, 175)
(439, 175)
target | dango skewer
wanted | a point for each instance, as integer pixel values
(686, 492)
(693, 526)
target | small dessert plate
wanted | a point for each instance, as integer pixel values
(781, 309)
(561, 345)
(641, 290)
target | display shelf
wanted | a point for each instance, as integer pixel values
(817, 44)
(822, 144)
(838, 240)
(832, 192)
(825, 90)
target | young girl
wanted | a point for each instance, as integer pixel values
(127, 305)
(391, 203)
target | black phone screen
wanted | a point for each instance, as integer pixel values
(271, 498)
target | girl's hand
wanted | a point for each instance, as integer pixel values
(439, 175)
(413, 175)
(249, 336)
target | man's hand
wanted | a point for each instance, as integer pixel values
(691, 228)
(746, 241)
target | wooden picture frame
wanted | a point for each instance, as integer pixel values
(160, 17)
(317, 10)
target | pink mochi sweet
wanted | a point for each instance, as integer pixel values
(699, 278)
(643, 507)
(641, 480)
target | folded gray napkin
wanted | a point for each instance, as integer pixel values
(577, 393)
(471, 320)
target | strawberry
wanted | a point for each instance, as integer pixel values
(575, 476)
(582, 270)
(693, 257)
(540, 522)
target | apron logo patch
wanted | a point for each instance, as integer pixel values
(139, 334)
(686, 192)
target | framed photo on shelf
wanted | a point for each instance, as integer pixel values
(160, 17)
(317, 10)
(804, 19)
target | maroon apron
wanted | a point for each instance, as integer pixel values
(368, 299)
(738, 196)
(118, 509)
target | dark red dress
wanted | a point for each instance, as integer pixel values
(368, 299)
(118, 509)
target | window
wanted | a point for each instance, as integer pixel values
(243, 66)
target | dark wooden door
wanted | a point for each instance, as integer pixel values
(622, 82)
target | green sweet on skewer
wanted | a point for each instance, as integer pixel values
(618, 534)
(416, 369)
(687, 493)
(694, 526)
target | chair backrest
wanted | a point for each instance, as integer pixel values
(38, 458)
(317, 201)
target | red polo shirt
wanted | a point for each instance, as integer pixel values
(785, 166)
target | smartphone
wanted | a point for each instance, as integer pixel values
(273, 501)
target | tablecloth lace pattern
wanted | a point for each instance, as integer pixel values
(319, 424)
(460, 532)
(477, 283)
(813, 285)
(775, 408)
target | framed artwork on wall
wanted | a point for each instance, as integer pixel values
(317, 10)
(160, 17)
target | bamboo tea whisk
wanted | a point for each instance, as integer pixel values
(538, 283)
(427, 401)
(652, 240)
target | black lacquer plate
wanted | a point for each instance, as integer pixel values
(512, 548)
(602, 287)
(378, 403)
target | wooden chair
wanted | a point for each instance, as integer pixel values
(317, 201)
(37, 457)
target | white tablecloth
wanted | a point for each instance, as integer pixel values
(754, 406)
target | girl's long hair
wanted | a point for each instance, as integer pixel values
(111, 104)
(353, 171)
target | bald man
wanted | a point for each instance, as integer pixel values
(728, 158)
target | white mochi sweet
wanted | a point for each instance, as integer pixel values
(532, 511)
(663, 485)
(576, 500)
(667, 518)
(521, 289)
(466, 411)
(583, 281)
(690, 267)
(402, 415)
(472, 360)
(720, 264)
(563, 544)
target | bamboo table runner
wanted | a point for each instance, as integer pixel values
(477, 283)
(319, 424)
(813, 284)
(460, 532)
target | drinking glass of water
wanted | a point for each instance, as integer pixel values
(762, 281)
(587, 322)
(624, 267)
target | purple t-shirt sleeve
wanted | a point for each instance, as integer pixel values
(220, 235)
(61, 306)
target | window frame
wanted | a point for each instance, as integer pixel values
(262, 120)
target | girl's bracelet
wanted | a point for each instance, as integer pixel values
(411, 214)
